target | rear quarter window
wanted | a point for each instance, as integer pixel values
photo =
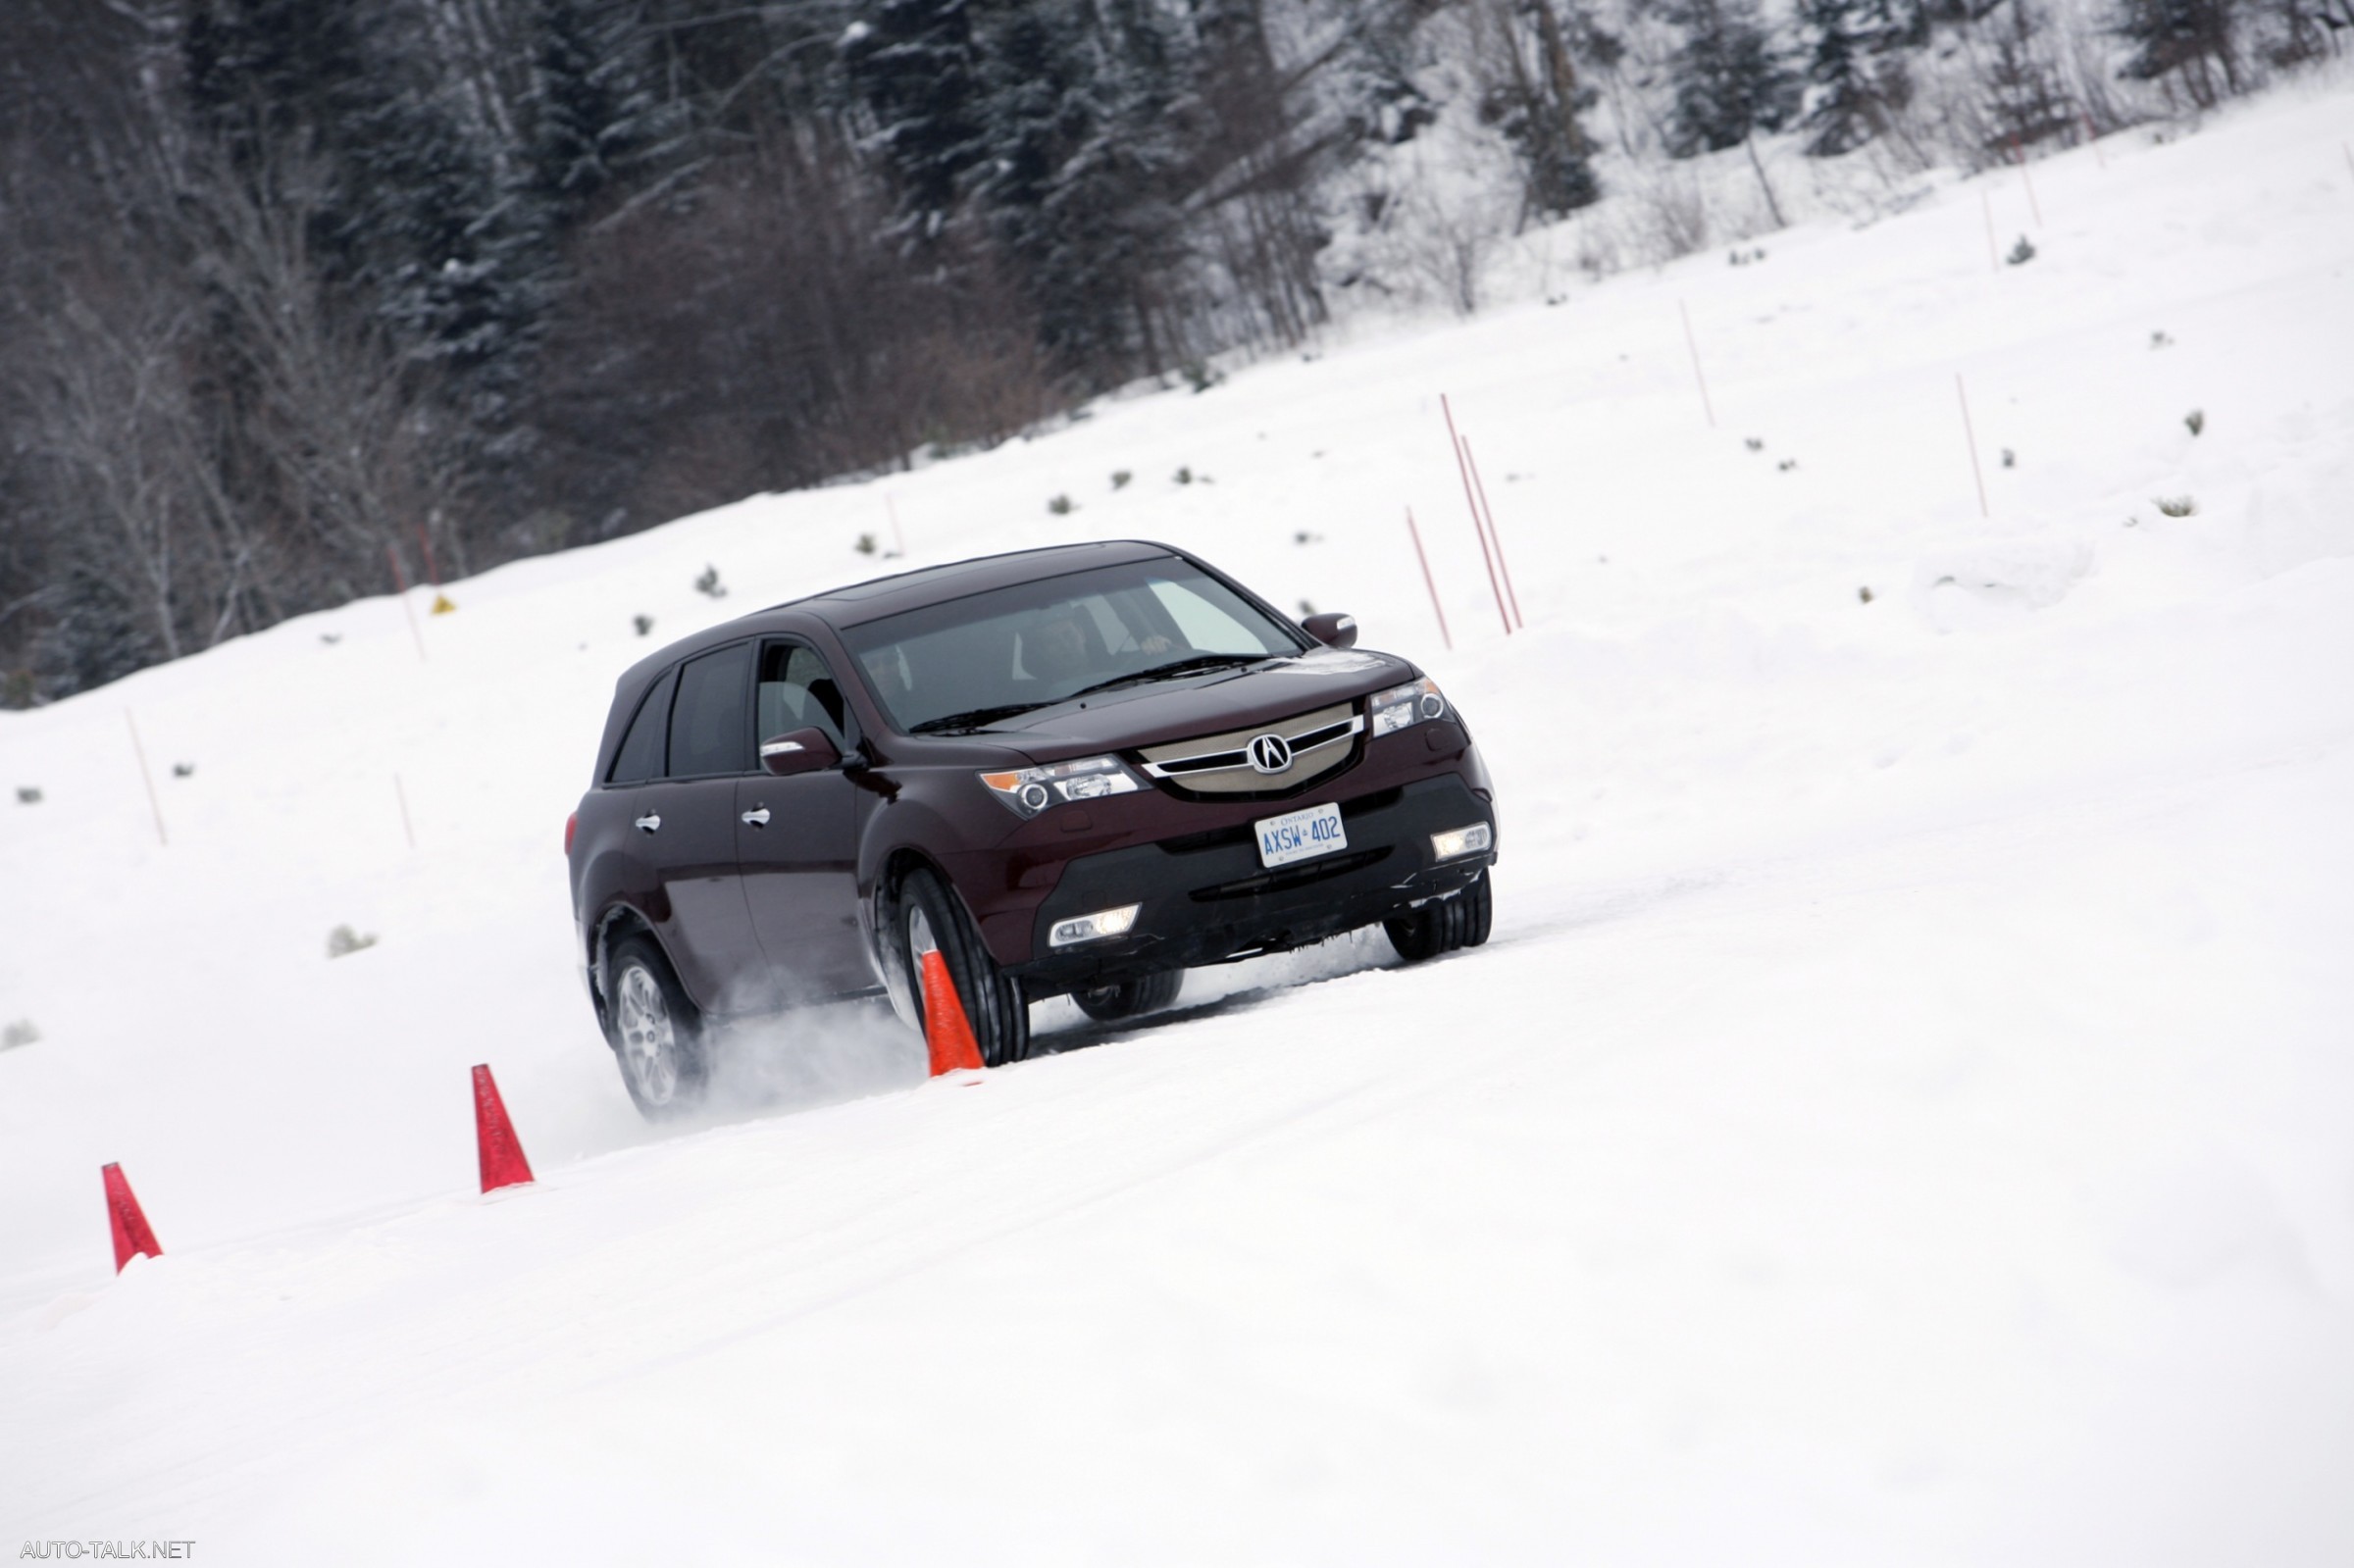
(640, 755)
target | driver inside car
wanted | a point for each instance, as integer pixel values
(1059, 649)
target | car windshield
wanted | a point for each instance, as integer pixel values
(989, 656)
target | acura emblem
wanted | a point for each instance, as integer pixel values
(1271, 753)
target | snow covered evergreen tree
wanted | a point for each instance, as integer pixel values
(1843, 109)
(2194, 42)
(595, 115)
(2022, 89)
(1533, 98)
(916, 66)
(1728, 78)
(1082, 143)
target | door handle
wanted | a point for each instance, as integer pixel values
(757, 817)
(649, 823)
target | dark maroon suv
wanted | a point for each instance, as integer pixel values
(1071, 771)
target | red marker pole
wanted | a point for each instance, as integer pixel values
(1463, 468)
(1693, 344)
(1427, 581)
(1970, 436)
(1480, 486)
(147, 778)
(2019, 154)
(401, 579)
(401, 794)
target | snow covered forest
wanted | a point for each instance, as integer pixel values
(304, 298)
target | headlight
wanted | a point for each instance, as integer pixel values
(1094, 928)
(1028, 791)
(1400, 706)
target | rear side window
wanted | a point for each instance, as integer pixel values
(711, 723)
(640, 755)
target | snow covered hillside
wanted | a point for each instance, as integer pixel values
(1902, 1115)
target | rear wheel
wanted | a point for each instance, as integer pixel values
(656, 1030)
(930, 919)
(1444, 925)
(1130, 997)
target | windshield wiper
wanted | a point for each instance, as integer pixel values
(972, 719)
(1200, 661)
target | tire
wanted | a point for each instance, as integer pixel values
(1130, 998)
(656, 1033)
(1444, 925)
(927, 915)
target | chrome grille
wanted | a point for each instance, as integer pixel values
(1220, 764)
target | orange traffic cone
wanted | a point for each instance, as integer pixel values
(947, 1030)
(502, 1161)
(132, 1238)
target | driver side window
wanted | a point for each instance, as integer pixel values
(798, 693)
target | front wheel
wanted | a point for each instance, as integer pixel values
(656, 1030)
(930, 919)
(1130, 997)
(1445, 924)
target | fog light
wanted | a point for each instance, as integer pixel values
(1453, 845)
(1096, 926)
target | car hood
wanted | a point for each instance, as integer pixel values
(1210, 703)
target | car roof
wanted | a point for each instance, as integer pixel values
(872, 600)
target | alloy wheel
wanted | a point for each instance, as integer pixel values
(648, 1038)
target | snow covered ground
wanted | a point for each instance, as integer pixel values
(1906, 1113)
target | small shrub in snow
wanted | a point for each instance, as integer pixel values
(28, 795)
(709, 585)
(1120, 479)
(343, 940)
(643, 623)
(2160, 340)
(183, 770)
(2196, 419)
(1753, 442)
(1202, 378)
(1863, 594)
(1307, 609)
(20, 1033)
(865, 544)
(2021, 253)
(2175, 505)
(1062, 506)
(1303, 537)
(1787, 464)
(1185, 476)
(2010, 458)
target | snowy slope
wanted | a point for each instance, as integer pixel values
(1902, 1116)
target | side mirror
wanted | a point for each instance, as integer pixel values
(1332, 628)
(798, 751)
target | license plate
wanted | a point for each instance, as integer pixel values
(1299, 835)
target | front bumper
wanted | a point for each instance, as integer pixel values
(1206, 900)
